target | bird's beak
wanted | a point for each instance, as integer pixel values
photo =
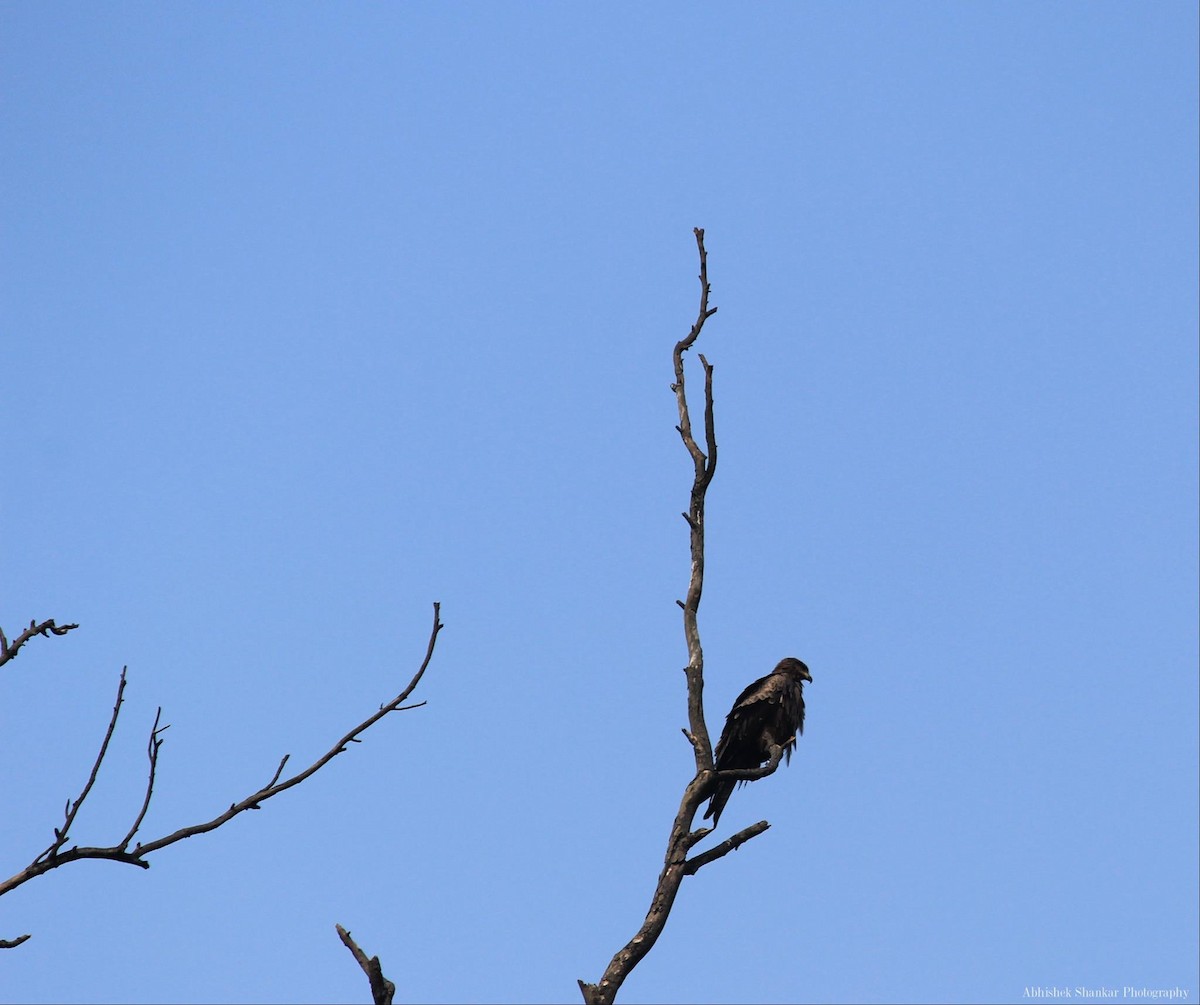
(808, 676)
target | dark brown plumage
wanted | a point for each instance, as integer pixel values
(770, 711)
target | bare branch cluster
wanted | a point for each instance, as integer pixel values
(57, 854)
(682, 839)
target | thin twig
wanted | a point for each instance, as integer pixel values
(9, 651)
(72, 811)
(278, 771)
(152, 747)
(382, 990)
(12, 943)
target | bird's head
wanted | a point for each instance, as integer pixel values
(793, 668)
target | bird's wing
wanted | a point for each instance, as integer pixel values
(743, 722)
(760, 690)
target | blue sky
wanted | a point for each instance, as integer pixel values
(315, 314)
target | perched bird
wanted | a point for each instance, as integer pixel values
(769, 712)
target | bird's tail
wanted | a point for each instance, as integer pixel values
(717, 803)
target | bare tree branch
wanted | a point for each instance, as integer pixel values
(693, 865)
(54, 856)
(677, 865)
(776, 752)
(12, 943)
(152, 748)
(382, 990)
(9, 651)
(72, 809)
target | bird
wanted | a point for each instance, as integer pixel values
(769, 712)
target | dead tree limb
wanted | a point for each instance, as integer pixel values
(677, 865)
(56, 854)
(382, 990)
(697, 862)
(45, 629)
(72, 808)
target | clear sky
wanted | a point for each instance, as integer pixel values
(313, 314)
